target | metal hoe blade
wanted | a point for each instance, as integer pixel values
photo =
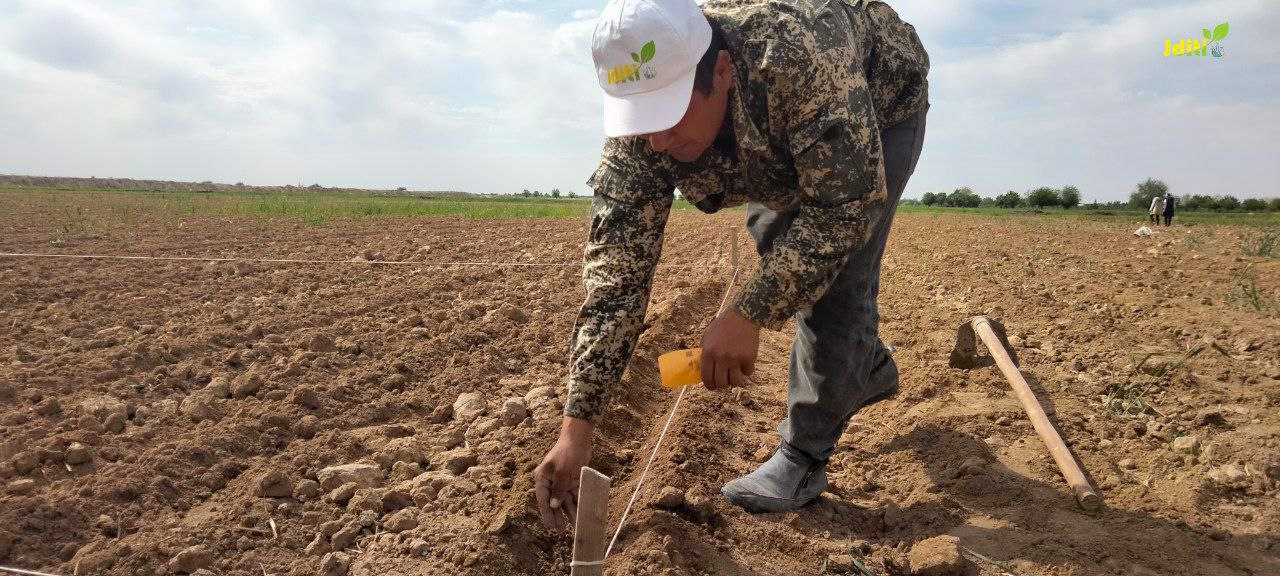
(969, 354)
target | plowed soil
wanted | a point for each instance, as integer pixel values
(162, 416)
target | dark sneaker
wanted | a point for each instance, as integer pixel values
(786, 482)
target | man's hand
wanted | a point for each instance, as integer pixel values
(729, 349)
(556, 480)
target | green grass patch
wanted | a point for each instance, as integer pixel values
(306, 207)
(72, 209)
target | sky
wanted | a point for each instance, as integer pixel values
(496, 96)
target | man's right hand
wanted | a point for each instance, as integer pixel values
(556, 480)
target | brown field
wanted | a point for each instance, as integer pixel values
(147, 407)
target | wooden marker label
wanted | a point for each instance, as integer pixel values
(681, 368)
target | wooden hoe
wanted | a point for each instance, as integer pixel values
(965, 355)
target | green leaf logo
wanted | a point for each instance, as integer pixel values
(636, 70)
(636, 57)
(1219, 33)
(1193, 47)
(647, 51)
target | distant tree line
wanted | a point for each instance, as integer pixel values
(94, 183)
(554, 193)
(1069, 197)
(1151, 187)
(1066, 197)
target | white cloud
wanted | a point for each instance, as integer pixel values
(271, 92)
(542, 74)
(1100, 107)
(500, 95)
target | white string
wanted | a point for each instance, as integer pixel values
(307, 261)
(645, 473)
(586, 563)
(26, 572)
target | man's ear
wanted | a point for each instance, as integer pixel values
(724, 71)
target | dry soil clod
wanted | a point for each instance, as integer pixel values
(458, 460)
(363, 475)
(274, 484)
(335, 564)
(670, 497)
(21, 486)
(342, 494)
(514, 411)
(469, 406)
(48, 407)
(306, 489)
(25, 462)
(406, 519)
(77, 454)
(191, 559)
(937, 556)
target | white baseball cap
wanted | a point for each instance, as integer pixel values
(646, 54)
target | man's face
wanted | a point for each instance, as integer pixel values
(695, 132)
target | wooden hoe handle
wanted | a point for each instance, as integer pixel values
(1085, 494)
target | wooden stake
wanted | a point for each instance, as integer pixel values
(589, 528)
(1085, 494)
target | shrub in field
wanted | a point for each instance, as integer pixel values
(1069, 196)
(1227, 203)
(963, 197)
(1147, 189)
(1009, 199)
(933, 198)
(1204, 202)
(1265, 243)
(1043, 196)
(1254, 205)
(1190, 203)
(1246, 294)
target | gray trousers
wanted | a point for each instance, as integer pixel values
(838, 363)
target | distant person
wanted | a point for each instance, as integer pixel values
(1168, 208)
(1157, 209)
(813, 112)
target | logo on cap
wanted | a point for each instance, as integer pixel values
(633, 72)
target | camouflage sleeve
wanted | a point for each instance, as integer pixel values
(835, 143)
(628, 216)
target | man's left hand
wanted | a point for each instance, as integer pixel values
(729, 349)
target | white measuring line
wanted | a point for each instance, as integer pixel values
(306, 261)
(24, 572)
(661, 436)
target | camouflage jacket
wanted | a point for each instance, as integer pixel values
(814, 81)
